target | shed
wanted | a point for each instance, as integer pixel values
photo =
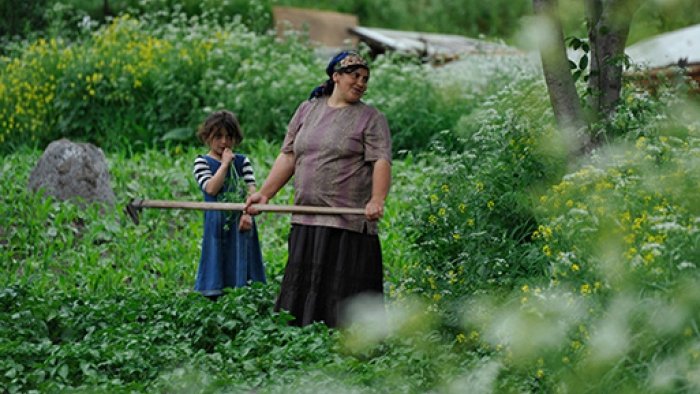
(667, 55)
(325, 28)
(437, 48)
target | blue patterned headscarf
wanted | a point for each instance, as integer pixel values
(344, 62)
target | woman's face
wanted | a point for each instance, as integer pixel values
(350, 87)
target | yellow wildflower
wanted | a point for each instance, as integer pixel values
(545, 231)
(547, 250)
(641, 142)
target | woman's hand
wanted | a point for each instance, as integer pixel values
(246, 222)
(255, 198)
(374, 210)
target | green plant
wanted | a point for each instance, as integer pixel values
(472, 228)
(135, 81)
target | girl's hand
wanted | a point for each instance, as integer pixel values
(227, 156)
(246, 223)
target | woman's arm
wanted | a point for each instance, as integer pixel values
(381, 182)
(281, 171)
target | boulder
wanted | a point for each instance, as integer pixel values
(73, 171)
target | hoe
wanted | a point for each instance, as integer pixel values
(135, 206)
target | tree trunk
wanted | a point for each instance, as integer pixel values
(106, 11)
(560, 83)
(608, 27)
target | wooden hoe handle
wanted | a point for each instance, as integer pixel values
(135, 206)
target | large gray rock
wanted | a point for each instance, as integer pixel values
(70, 171)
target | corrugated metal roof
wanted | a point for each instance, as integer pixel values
(668, 48)
(665, 56)
(428, 45)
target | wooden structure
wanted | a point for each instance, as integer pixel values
(325, 28)
(667, 57)
(433, 47)
(332, 31)
(650, 79)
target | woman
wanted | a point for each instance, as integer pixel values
(339, 151)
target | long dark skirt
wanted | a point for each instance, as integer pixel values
(326, 267)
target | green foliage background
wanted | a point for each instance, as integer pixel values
(496, 19)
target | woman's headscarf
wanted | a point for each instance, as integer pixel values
(344, 62)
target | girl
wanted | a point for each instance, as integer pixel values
(231, 254)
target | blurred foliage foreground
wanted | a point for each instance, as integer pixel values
(510, 267)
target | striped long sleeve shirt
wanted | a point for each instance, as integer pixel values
(203, 172)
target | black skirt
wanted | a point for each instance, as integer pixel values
(327, 267)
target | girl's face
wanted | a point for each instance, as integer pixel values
(219, 141)
(351, 86)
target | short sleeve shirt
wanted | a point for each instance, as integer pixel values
(334, 151)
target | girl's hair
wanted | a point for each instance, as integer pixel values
(220, 120)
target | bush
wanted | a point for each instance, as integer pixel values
(415, 118)
(67, 18)
(132, 82)
(21, 18)
(137, 82)
(471, 18)
(629, 216)
(472, 228)
(620, 235)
